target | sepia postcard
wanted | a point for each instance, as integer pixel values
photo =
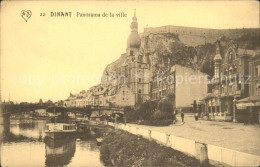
(129, 83)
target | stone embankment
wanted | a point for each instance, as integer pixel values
(199, 150)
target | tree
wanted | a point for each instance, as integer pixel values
(165, 106)
(146, 109)
(40, 102)
(49, 102)
(60, 103)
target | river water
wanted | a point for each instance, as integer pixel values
(25, 144)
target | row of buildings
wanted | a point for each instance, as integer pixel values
(131, 80)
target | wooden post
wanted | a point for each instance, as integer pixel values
(150, 135)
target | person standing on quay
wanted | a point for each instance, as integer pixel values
(182, 116)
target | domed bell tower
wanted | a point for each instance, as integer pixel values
(133, 41)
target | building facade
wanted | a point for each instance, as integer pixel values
(189, 86)
(249, 107)
(230, 82)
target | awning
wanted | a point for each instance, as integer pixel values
(248, 101)
(207, 97)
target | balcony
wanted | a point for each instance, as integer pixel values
(224, 94)
(234, 93)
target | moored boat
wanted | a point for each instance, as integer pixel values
(59, 124)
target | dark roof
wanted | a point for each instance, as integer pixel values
(251, 99)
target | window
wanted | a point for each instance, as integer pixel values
(230, 56)
(131, 52)
(139, 80)
(230, 88)
(139, 91)
(258, 89)
(123, 98)
(223, 89)
(235, 70)
(239, 86)
(257, 70)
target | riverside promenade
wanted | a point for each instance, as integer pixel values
(222, 143)
(235, 136)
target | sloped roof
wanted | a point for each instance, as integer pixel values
(251, 99)
(112, 91)
(249, 52)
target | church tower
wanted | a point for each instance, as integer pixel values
(136, 67)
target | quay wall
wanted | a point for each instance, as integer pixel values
(193, 148)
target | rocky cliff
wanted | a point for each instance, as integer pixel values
(164, 49)
(167, 49)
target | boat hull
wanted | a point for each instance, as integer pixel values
(60, 135)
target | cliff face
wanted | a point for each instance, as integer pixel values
(165, 49)
(192, 36)
(112, 69)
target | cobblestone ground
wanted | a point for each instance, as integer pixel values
(236, 136)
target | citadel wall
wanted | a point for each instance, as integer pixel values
(199, 36)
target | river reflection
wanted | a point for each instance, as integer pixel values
(59, 152)
(26, 145)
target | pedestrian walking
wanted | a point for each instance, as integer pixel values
(182, 116)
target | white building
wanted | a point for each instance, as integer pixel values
(189, 84)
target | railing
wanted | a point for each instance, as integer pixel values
(14, 108)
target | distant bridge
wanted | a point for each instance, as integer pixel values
(9, 109)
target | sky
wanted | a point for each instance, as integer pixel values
(49, 57)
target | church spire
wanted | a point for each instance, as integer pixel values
(134, 24)
(133, 40)
(217, 56)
